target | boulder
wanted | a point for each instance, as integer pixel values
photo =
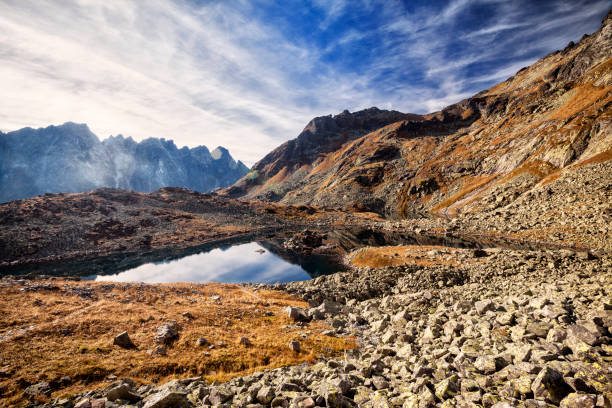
(123, 340)
(167, 399)
(167, 333)
(549, 386)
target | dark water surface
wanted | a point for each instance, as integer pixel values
(257, 259)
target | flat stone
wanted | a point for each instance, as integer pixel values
(41, 388)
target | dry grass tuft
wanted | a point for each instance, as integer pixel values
(425, 255)
(73, 336)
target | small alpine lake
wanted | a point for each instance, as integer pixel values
(280, 256)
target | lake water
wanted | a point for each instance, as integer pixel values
(256, 259)
(249, 262)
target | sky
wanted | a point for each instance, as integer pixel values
(249, 75)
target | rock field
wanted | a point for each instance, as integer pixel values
(514, 328)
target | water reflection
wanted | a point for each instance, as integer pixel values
(235, 264)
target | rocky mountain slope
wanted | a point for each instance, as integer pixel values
(480, 154)
(70, 158)
(284, 167)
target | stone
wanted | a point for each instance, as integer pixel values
(549, 386)
(83, 403)
(581, 333)
(552, 311)
(574, 400)
(244, 341)
(539, 329)
(426, 398)
(294, 345)
(502, 404)
(329, 307)
(389, 337)
(99, 403)
(574, 341)
(122, 392)
(219, 396)
(42, 388)
(488, 364)
(167, 399)
(422, 371)
(297, 314)
(452, 327)
(521, 353)
(266, 395)
(484, 306)
(342, 384)
(307, 402)
(123, 340)
(446, 388)
(333, 396)
(201, 342)
(167, 333)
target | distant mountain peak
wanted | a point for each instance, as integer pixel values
(219, 152)
(70, 158)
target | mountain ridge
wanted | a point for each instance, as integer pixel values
(510, 137)
(70, 158)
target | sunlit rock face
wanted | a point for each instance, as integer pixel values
(70, 158)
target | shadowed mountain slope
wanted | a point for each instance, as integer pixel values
(70, 158)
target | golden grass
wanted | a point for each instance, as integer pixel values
(72, 336)
(470, 184)
(537, 168)
(582, 97)
(379, 257)
(598, 158)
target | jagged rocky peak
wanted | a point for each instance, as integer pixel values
(321, 136)
(220, 153)
(70, 158)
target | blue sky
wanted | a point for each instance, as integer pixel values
(248, 75)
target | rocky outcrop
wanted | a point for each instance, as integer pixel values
(280, 169)
(70, 158)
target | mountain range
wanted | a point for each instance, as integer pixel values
(70, 158)
(481, 153)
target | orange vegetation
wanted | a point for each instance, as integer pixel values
(470, 184)
(598, 158)
(48, 334)
(425, 255)
(582, 97)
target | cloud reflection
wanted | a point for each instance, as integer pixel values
(236, 264)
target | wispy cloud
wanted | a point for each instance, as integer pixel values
(248, 75)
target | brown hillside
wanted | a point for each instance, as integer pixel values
(481, 153)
